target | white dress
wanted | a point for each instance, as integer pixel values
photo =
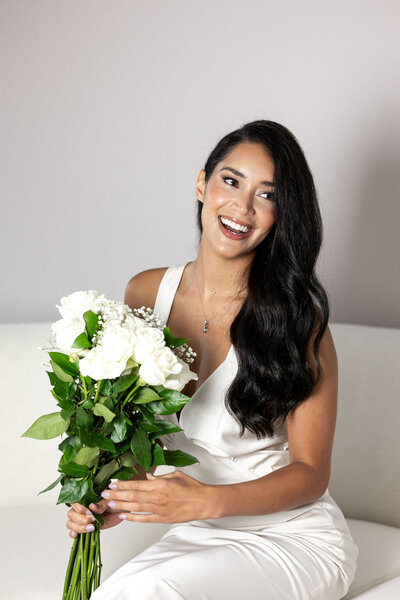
(303, 553)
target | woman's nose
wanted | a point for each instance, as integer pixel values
(245, 201)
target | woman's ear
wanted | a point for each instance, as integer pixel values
(201, 185)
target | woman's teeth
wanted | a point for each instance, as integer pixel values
(234, 226)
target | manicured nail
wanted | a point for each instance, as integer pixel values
(122, 516)
(89, 527)
(112, 486)
(105, 494)
(73, 533)
(111, 504)
(88, 512)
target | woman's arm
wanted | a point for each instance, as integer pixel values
(311, 429)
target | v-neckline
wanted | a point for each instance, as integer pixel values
(213, 372)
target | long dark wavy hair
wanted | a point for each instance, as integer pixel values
(286, 306)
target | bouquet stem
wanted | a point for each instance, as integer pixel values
(84, 566)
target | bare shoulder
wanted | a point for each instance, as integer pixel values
(141, 289)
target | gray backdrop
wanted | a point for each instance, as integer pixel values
(110, 108)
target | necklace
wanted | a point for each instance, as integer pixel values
(205, 328)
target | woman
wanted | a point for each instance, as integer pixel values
(253, 518)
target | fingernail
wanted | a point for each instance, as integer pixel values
(89, 527)
(105, 494)
(111, 504)
(112, 486)
(73, 533)
(122, 516)
(88, 512)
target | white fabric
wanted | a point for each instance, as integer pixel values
(303, 553)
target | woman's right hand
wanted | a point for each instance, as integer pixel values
(78, 520)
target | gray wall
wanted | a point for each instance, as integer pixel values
(109, 110)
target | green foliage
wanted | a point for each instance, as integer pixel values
(81, 341)
(109, 426)
(177, 458)
(141, 448)
(101, 410)
(47, 427)
(171, 341)
(145, 394)
(91, 322)
(62, 360)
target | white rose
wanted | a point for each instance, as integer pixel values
(65, 331)
(148, 340)
(77, 303)
(72, 308)
(108, 359)
(158, 364)
(178, 381)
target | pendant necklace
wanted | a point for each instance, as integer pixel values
(205, 328)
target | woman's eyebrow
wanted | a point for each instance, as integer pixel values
(239, 174)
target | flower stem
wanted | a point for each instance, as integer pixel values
(75, 575)
(70, 566)
(91, 565)
(82, 548)
(133, 390)
(98, 389)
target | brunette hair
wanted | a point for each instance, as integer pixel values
(286, 305)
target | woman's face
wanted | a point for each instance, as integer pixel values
(240, 190)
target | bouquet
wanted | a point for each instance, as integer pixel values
(116, 371)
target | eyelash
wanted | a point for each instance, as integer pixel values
(271, 194)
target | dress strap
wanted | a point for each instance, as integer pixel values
(166, 291)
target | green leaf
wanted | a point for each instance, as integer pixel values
(88, 403)
(74, 470)
(128, 460)
(51, 486)
(91, 321)
(120, 428)
(164, 427)
(106, 471)
(102, 411)
(87, 456)
(144, 395)
(171, 402)
(125, 473)
(83, 418)
(72, 440)
(81, 341)
(73, 490)
(124, 382)
(149, 427)
(106, 387)
(157, 455)
(141, 448)
(47, 427)
(68, 455)
(60, 373)
(177, 458)
(68, 409)
(164, 407)
(171, 341)
(62, 360)
(92, 439)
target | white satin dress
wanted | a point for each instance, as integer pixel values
(303, 553)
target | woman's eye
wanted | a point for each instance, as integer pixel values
(226, 179)
(269, 194)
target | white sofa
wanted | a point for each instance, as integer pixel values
(364, 482)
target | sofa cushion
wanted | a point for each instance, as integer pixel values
(37, 545)
(378, 560)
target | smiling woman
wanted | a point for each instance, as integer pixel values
(262, 417)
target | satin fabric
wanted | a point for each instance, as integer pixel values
(303, 553)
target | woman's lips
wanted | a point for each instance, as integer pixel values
(231, 235)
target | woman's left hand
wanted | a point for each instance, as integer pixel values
(171, 498)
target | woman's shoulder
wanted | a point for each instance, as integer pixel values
(141, 289)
